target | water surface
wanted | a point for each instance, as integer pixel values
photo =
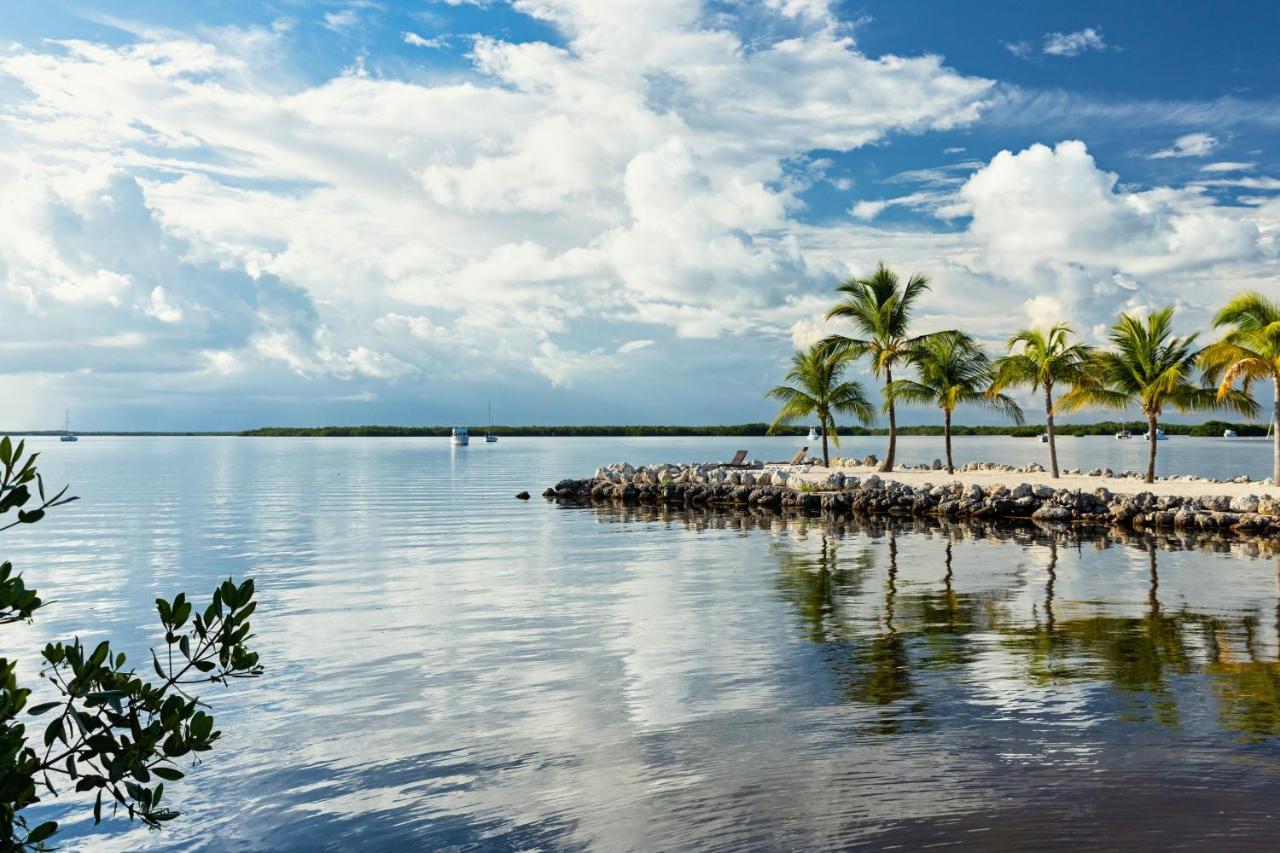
(448, 667)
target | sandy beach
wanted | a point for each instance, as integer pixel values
(993, 479)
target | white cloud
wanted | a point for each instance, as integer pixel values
(869, 209)
(183, 205)
(1190, 145)
(633, 175)
(1073, 44)
(422, 41)
(341, 20)
(1228, 166)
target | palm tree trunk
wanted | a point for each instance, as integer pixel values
(826, 459)
(1048, 419)
(1275, 430)
(1151, 455)
(946, 431)
(887, 464)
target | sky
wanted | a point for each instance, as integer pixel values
(221, 215)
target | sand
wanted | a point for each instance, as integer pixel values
(993, 479)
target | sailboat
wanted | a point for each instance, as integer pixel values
(67, 434)
(489, 437)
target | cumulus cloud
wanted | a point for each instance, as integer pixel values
(631, 175)
(1049, 221)
(180, 210)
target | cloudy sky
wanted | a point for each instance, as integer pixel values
(227, 214)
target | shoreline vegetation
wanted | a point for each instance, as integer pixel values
(1206, 429)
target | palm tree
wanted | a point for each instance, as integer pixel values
(818, 390)
(1150, 366)
(1248, 352)
(951, 369)
(880, 310)
(1042, 360)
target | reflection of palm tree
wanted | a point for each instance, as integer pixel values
(1051, 573)
(818, 585)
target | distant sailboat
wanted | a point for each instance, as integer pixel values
(813, 434)
(489, 437)
(67, 434)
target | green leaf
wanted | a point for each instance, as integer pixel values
(168, 773)
(99, 655)
(41, 832)
(36, 710)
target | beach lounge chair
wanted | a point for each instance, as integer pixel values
(738, 461)
(796, 460)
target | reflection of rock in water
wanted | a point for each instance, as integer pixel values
(880, 639)
(1024, 533)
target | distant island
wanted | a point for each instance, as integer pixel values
(1211, 428)
(1208, 429)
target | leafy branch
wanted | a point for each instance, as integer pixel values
(114, 733)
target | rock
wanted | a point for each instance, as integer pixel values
(1247, 503)
(1052, 512)
(937, 465)
(524, 496)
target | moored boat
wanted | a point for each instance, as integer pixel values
(459, 437)
(1124, 433)
(67, 434)
(489, 437)
(1228, 433)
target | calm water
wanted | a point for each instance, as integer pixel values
(451, 668)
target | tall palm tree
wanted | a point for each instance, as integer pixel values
(951, 370)
(1248, 352)
(1150, 366)
(879, 308)
(819, 390)
(1042, 360)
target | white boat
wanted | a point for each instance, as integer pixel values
(1044, 438)
(1160, 436)
(1228, 433)
(459, 437)
(489, 437)
(1124, 433)
(67, 434)
(814, 435)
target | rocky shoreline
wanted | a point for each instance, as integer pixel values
(755, 485)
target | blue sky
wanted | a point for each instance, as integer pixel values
(222, 215)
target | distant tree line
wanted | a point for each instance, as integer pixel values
(1207, 429)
